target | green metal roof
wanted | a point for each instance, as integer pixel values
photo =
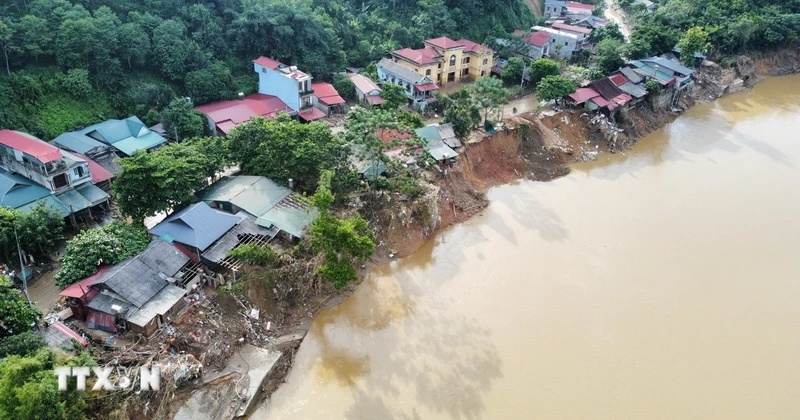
(253, 194)
(128, 136)
(16, 191)
(73, 200)
(49, 201)
(289, 219)
(92, 193)
(371, 171)
(434, 144)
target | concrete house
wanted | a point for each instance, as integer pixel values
(34, 171)
(289, 84)
(419, 87)
(554, 8)
(562, 43)
(537, 44)
(580, 32)
(444, 60)
(366, 90)
(327, 99)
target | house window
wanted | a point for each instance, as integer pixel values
(485, 61)
(440, 65)
(452, 60)
(79, 171)
(566, 43)
(483, 73)
(465, 60)
(464, 72)
(263, 69)
(428, 72)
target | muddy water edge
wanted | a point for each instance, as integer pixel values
(657, 284)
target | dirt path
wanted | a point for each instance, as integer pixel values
(617, 15)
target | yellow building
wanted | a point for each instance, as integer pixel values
(444, 60)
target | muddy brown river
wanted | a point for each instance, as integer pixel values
(663, 284)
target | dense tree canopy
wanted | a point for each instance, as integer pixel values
(16, 316)
(283, 149)
(39, 231)
(168, 177)
(93, 248)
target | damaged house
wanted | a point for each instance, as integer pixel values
(139, 294)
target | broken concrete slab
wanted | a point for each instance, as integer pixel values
(259, 364)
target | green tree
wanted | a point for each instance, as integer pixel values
(461, 119)
(410, 119)
(283, 148)
(344, 86)
(341, 242)
(611, 30)
(134, 44)
(433, 19)
(694, 40)
(163, 179)
(93, 248)
(76, 83)
(29, 389)
(393, 96)
(16, 316)
(512, 73)
(488, 93)
(182, 120)
(542, 68)
(39, 231)
(21, 344)
(652, 86)
(35, 38)
(6, 36)
(256, 254)
(210, 84)
(608, 56)
(171, 48)
(75, 43)
(554, 87)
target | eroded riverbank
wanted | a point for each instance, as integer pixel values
(641, 274)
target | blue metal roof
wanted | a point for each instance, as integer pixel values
(16, 191)
(434, 144)
(77, 142)
(253, 194)
(197, 225)
(128, 136)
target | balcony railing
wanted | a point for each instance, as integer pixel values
(306, 92)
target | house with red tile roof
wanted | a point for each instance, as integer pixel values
(223, 116)
(445, 60)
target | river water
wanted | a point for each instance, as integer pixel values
(663, 284)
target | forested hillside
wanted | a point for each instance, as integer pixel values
(731, 26)
(70, 63)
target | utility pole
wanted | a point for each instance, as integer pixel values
(22, 268)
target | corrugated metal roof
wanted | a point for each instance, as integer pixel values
(634, 90)
(326, 94)
(448, 135)
(81, 288)
(49, 201)
(92, 194)
(138, 279)
(162, 302)
(26, 143)
(197, 225)
(16, 191)
(364, 84)
(402, 72)
(77, 142)
(247, 226)
(434, 144)
(128, 136)
(290, 215)
(73, 200)
(253, 194)
(606, 88)
(631, 75)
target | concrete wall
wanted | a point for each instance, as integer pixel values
(272, 82)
